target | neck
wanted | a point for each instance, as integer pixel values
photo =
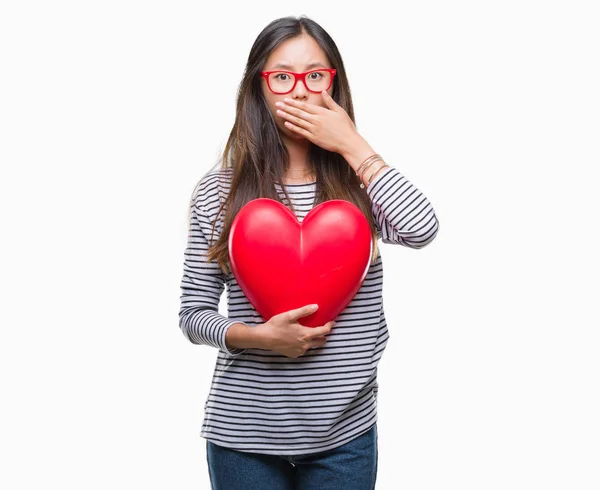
(298, 167)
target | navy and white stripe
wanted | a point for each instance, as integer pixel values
(261, 401)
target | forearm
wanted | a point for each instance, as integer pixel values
(242, 336)
(402, 212)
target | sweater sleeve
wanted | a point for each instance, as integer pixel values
(201, 288)
(402, 213)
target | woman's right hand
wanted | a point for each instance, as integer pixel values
(285, 335)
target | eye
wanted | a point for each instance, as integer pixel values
(281, 75)
(319, 75)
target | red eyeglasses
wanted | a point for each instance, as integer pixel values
(283, 82)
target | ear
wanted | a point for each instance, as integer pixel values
(329, 102)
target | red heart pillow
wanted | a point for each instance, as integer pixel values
(282, 264)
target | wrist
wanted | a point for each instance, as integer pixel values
(357, 152)
(242, 336)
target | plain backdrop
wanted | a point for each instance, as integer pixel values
(110, 113)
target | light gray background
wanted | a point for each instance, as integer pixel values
(111, 111)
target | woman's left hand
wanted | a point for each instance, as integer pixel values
(329, 127)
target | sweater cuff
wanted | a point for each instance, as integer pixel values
(223, 346)
(381, 178)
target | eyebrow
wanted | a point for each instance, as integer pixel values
(308, 67)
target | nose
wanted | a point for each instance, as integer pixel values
(300, 90)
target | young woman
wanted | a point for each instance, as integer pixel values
(292, 406)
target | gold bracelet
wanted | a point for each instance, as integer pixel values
(364, 172)
(375, 173)
(360, 167)
(375, 170)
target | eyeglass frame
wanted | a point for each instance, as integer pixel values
(298, 76)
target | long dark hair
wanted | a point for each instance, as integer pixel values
(256, 152)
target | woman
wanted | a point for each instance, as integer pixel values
(292, 406)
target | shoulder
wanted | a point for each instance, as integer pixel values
(212, 187)
(212, 190)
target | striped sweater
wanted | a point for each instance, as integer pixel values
(264, 402)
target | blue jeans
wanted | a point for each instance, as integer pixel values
(350, 466)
